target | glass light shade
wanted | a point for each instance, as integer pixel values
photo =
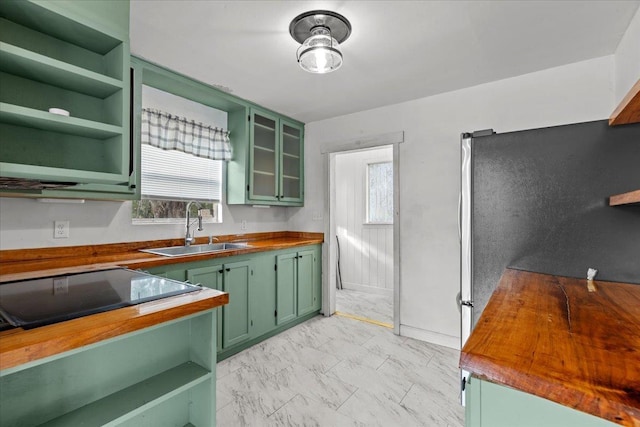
(320, 53)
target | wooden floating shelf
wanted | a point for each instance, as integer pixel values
(31, 65)
(28, 117)
(625, 198)
(629, 109)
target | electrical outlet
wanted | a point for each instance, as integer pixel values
(61, 229)
(60, 285)
(243, 224)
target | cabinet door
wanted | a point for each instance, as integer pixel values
(263, 295)
(286, 279)
(211, 277)
(494, 405)
(317, 278)
(291, 162)
(236, 322)
(263, 161)
(305, 276)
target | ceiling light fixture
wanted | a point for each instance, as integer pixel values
(320, 32)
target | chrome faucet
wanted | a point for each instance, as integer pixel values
(188, 238)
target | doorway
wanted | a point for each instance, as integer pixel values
(364, 234)
(332, 154)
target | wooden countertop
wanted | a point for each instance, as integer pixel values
(553, 337)
(19, 346)
(21, 264)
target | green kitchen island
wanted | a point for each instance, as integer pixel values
(151, 364)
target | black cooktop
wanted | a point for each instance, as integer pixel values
(38, 302)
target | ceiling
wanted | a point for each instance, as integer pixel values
(397, 51)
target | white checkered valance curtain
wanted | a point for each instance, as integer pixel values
(170, 132)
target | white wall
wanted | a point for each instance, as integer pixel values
(366, 250)
(27, 223)
(429, 171)
(627, 59)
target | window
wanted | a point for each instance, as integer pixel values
(380, 193)
(170, 179)
(177, 155)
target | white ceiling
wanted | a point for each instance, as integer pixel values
(398, 50)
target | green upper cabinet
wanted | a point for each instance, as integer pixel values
(271, 170)
(73, 56)
(263, 160)
(291, 162)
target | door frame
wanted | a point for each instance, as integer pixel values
(329, 258)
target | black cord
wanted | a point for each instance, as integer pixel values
(339, 282)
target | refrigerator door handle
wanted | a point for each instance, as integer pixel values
(460, 216)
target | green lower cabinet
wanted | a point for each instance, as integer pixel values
(211, 277)
(307, 298)
(268, 292)
(286, 284)
(492, 405)
(236, 323)
(234, 278)
(262, 296)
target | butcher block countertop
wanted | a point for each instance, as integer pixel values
(19, 346)
(567, 340)
(21, 264)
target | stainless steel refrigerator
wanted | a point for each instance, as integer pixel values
(537, 200)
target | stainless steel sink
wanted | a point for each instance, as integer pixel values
(196, 249)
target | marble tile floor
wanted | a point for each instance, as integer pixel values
(336, 371)
(371, 306)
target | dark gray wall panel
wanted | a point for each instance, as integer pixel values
(540, 203)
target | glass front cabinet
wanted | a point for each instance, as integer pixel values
(275, 162)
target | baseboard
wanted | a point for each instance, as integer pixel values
(368, 289)
(430, 336)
